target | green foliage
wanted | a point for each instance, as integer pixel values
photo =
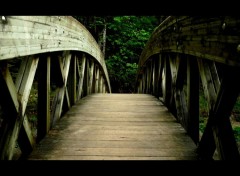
(125, 40)
(236, 132)
(236, 110)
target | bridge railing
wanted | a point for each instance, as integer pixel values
(185, 55)
(57, 56)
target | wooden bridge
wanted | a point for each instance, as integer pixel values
(78, 118)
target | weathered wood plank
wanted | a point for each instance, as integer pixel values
(215, 77)
(218, 133)
(8, 81)
(222, 129)
(80, 85)
(29, 35)
(24, 84)
(44, 116)
(197, 36)
(96, 79)
(72, 81)
(207, 82)
(116, 133)
(91, 77)
(25, 81)
(193, 99)
(26, 141)
(62, 97)
(10, 124)
(57, 105)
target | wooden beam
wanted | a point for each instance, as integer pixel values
(10, 107)
(193, 99)
(57, 106)
(86, 79)
(72, 81)
(61, 92)
(214, 74)
(26, 141)
(206, 147)
(218, 132)
(97, 79)
(80, 86)
(179, 93)
(226, 99)
(91, 77)
(101, 83)
(26, 79)
(24, 84)
(94, 79)
(44, 118)
(8, 83)
(30, 35)
(160, 80)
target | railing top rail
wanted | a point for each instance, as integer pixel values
(213, 38)
(29, 35)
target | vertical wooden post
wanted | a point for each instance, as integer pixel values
(147, 78)
(193, 99)
(10, 107)
(156, 77)
(91, 71)
(80, 86)
(101, 83)
(94, 79)
(43, 98)
(97, 80)
(104, 87)
(167, 83)
(72, 81)
(159, 80)
(218, 133)
(140, 85)
(144, 81)
(86, 79)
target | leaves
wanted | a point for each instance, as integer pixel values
(126, 37)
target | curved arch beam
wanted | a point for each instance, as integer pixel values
(29, 35)
(213, 38)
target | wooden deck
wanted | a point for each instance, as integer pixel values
(116, 127)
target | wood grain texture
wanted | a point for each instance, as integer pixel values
(30, 35)
(116, 127)
(214, 38)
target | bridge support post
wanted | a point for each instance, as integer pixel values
(218, 133)
(44, 119)
(193, 99)
(72, 80)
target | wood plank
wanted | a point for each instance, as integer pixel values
(80, 85)
(218, 133)
(74, 157)
(26, 141)
(97, 79)
(10, 108)
(223, 133)
(193, 99)
(62, 97)
(7, 78)
(72, 81)
(164, 39)
(29, 35)
(44, 116)
(124, 132)
(91, 77)
(25, 85)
